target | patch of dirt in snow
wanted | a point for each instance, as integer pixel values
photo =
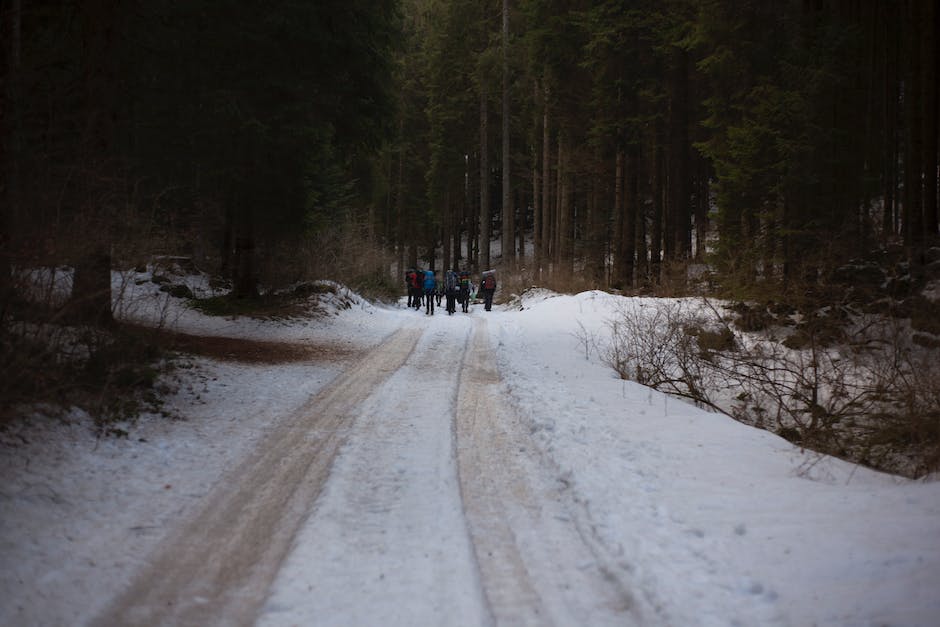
(245, 350)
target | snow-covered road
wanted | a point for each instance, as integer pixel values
(540, 560)
(428, 507)
(450, 470)
(217, 566)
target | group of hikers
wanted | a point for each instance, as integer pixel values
(455, 287)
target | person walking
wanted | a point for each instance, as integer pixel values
(416, 279)
(463, 291)
(409, 286)
(450, 291)
(430, 286)
(488, 288)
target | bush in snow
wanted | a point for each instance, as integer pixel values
(859, 390)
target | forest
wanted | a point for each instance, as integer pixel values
(753, 150)
(613, 142)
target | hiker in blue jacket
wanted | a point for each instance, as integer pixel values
(430, 287)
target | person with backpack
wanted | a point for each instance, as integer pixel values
(409, 285)
(430, 286)
(451, 286)
(463, 291)
(415, 287)
(488, 287)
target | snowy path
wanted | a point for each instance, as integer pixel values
(387, 537)
(436, 512)
(217, 567)
(426, 507)
(540, 561)
(467, 470)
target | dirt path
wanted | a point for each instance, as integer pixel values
(217, 567)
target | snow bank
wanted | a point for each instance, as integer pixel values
(719, 523)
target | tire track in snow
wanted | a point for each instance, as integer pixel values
(216, 568)
(537, 566)
(387, 542)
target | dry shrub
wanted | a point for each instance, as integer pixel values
(349, 254)
(869, 400)
(567, 283)
(46, 361)
(652, 346)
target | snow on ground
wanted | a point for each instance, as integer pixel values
(714, 522)
(79, 513)
(387, 543)
(719, 523)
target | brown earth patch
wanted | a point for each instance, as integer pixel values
(242, 349)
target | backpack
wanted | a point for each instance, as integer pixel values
(415, 280)
(430, 283)
(489, 282)
(450, 281)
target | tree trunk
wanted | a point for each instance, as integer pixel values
(679, 228)
(508, 210)
(519, 202)
(913, 170)
(621, 279)
(447, 228)
(473, 219)
(630, 210)
(701, 210)
(596, 245)
(459, 213)
(484, 184)
(565, 214)
(537, 203)
(399, 186)
(890, 150)
(931, 51)
(244, 270)
(558, 205)
(656, 236)
(547, 221)
(90, 302)
(9, 153)
(642, 249)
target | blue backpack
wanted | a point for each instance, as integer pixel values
(430, 283)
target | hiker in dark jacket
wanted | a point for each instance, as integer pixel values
(409, 286)
(451, 286)
(488, 287)
(463, 291)
(430, 286)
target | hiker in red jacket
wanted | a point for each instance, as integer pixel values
(487, 288)
(415, 288)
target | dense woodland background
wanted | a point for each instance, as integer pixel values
(621, 139)
(744, 148)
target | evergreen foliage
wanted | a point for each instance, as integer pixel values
(789, 136)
